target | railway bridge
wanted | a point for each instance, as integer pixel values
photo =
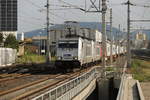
(94, 84)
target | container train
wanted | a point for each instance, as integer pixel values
(78, 52)
(82, 46)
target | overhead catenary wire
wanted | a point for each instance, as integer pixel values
(75, 6)
(132, 4)
(66, 8)
(26, 13)
(43, 9)
(29, 23)
(25, 17)
(62, 5)
(142, 19)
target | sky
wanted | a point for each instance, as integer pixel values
(32, 13)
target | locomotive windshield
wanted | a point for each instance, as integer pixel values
(68, 45)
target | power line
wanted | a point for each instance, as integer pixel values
(132, 4)
(27, 12)
(42, 9)
(34, 4)
(29, 23)
(62, 5)
(36, 19)
(55, 14)
(75, 6)
(63, 9)
(144, 10)
(138, 5)
(140, 20)
(33, 18)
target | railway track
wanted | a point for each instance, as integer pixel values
(26, 90)
(141, 54)
(142, 57)
(13, 77)
(34, 87)
(29, 95)
(11, 93)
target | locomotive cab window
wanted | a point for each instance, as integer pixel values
(68, 45)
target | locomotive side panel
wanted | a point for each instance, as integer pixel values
(108, 49)
(113, 50)
(98, 51)
(87, 51)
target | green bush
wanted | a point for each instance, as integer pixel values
(11, 42)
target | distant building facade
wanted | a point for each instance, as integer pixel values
(140, 40)
(40, 42)
(8, 17)
(141, 36)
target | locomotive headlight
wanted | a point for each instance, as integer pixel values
(75, 58)
(59, 58)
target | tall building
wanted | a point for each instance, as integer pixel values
(8, 17)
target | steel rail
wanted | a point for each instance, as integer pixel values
(55, 83)
(26, 85)
(14, 77)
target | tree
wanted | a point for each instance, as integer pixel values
(11, 42)
(1, 38)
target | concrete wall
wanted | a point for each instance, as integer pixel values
(103, 89)
(86, 92)
(7, 56)
(107, 88)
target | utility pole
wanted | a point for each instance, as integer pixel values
(118, 43)
(40, 45)
(111, 41)
(104, 8)
(48, 54)
(128, 36)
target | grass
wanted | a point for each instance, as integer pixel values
(31, 58)
(110, 69)
(141, 70)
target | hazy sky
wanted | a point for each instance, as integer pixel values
(32, 14)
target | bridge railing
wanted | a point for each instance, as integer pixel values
(122, 89)
(69, 89)
(121, 93)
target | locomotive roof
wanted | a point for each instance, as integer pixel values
(74, 38)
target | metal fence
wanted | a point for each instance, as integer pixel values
(7, 56)
(70, 89)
